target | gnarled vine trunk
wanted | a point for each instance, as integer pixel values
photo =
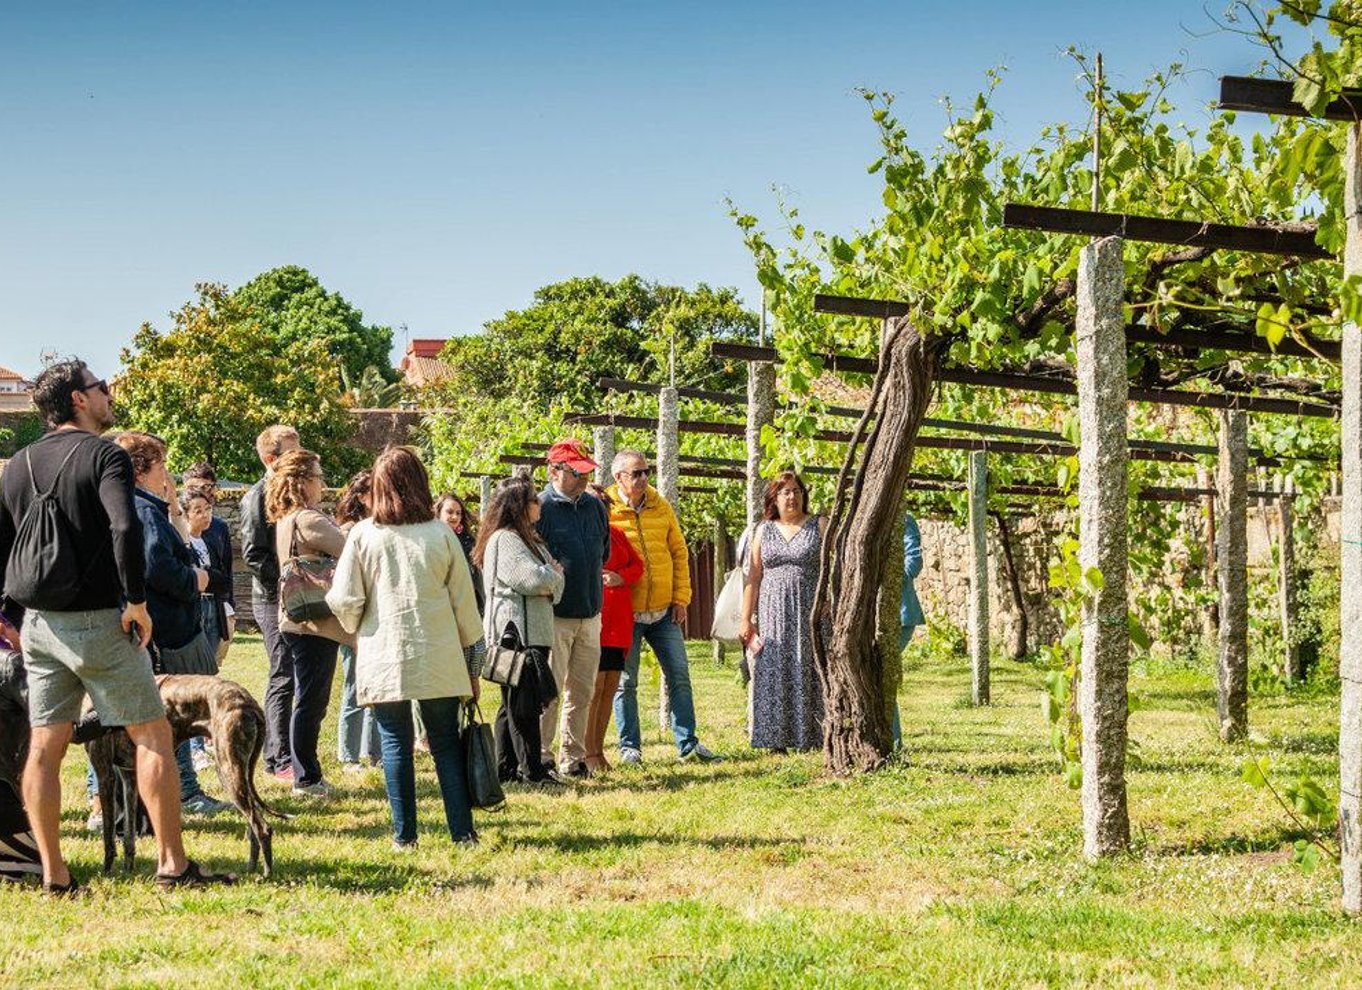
(856, 552)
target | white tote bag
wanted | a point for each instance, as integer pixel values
(728, 608)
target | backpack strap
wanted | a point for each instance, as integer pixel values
(28, 459)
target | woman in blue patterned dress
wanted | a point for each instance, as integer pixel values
(787, 700)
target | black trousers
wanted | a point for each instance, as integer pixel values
(517, 730)
(278, 687)
(314, 670)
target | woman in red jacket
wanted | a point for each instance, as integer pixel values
(622, 571)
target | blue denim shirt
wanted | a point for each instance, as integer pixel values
(578, 535)
(910, 609)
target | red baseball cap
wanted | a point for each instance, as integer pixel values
(573, 454)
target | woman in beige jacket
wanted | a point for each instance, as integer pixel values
(403, 585)
(301, 529)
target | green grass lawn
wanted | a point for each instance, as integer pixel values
(959, 867)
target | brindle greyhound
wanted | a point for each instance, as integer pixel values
(196, 705)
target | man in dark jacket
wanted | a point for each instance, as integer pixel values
(94, 639)
(576, 528)
(257, 549)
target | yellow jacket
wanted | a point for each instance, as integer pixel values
(656, 535)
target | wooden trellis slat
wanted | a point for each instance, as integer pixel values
(1160, 230)
(1057, 386)
(1274, 96)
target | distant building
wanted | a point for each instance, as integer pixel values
(16, 392)
(421, 365)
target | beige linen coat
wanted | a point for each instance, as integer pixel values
(407, 592)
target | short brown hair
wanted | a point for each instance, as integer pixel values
(146, 450)
(769, 508)
(401, 489)
(272, 439)
(286, 489)
(353, 505)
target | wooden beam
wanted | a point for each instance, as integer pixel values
(1227, 340)
(622, 385)
(1014, 381)
(1274, 96)
(1221, 340)
(1159, 230)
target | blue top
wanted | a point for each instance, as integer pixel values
(577, 532)
(910, 609)
(172, 585)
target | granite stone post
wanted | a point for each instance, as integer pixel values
(603, 444)
(1231, 495)
(761, 411)
(1103, 459)
(1350, 654)
(978, 577)
(669, 485)
(485, 494)
(1286, 580)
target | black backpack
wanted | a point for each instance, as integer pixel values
(44, 571)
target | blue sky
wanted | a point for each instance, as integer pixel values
(437, 162)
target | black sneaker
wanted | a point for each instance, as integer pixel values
(578, 770)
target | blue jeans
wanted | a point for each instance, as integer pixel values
(905, 634)
(395, 729)
(356, 737)
(664, 636)
(189, 777)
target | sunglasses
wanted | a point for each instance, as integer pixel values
(572, 471)
(640, 473)
(102, 385)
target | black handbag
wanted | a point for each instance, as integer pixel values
(506, 658)
(484, 786)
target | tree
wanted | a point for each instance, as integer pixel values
(291, 305)
(552, 352)
(211, 383)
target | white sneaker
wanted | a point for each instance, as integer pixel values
(702, 754)
(320, 790)
(631, 756)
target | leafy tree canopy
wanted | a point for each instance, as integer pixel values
(291, 305)
(553, 351)
(218, 377)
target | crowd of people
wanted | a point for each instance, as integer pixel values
(406, 590)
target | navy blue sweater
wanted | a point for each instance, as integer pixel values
(172, 585)
(578, 535)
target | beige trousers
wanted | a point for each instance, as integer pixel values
(575, 658)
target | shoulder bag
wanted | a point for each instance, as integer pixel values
(484, 786)
(304, 581)
(506, 657)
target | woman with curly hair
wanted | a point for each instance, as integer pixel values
(292, 496)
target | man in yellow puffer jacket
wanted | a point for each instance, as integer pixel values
(660, 601)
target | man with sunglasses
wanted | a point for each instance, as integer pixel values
(85, 624)
(660, 601)
(576, 528)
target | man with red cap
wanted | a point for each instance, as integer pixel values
(576, 528)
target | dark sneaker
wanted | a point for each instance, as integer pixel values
(701, 753)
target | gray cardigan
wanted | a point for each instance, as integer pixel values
(514, 577)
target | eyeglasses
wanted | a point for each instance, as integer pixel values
(102, 385)
(640, 473)
(572, 470)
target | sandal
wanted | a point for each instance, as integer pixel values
(193, 876)
(71, 888)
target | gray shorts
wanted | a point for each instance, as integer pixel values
(71, 654)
